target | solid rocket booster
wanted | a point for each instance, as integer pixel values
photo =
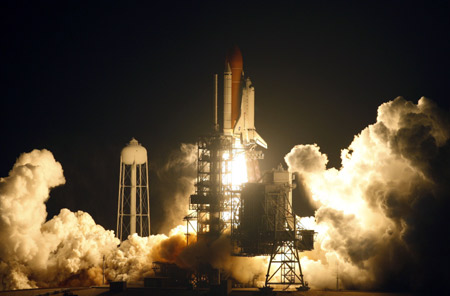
(227, 89)
(239, 102)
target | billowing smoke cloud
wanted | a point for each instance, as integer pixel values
(307, 159)
(177, 180)
(382, 214)
(217, 254)
(34, 253)
(132, 261)
(70, 249)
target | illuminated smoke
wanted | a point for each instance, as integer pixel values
(218, 255)
(22, 213)
(177, 183)
(380, 218)
(68, 250)
(132, 261)
(382, 214)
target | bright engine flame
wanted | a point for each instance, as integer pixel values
(235, 167)
(239, 169)
(234, 175)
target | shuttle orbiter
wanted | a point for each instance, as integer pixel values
(239, 102)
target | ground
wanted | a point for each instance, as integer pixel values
(137, 291)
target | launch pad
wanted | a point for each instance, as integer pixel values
(232, 198)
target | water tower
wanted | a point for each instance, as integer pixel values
(133, 207)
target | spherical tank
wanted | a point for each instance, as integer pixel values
(134, 153)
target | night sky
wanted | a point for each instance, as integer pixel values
(82, 78)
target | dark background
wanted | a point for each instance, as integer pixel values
(80, 78)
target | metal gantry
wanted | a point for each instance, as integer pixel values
(269, 227)
(288, 270)
(215, 204)
(216, 201)
(211, 197)
(284, 265)
(258, 216)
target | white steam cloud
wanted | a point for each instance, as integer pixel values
(380, 216)
(68, 250)
(34, 253)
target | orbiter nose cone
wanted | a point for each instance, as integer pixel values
(234, 57)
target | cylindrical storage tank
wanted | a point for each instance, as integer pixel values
(134, 153)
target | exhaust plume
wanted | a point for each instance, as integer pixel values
(380, 216)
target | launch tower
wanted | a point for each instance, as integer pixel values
(133, 206)
(232, 198)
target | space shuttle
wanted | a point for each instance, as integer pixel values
(239, 102)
